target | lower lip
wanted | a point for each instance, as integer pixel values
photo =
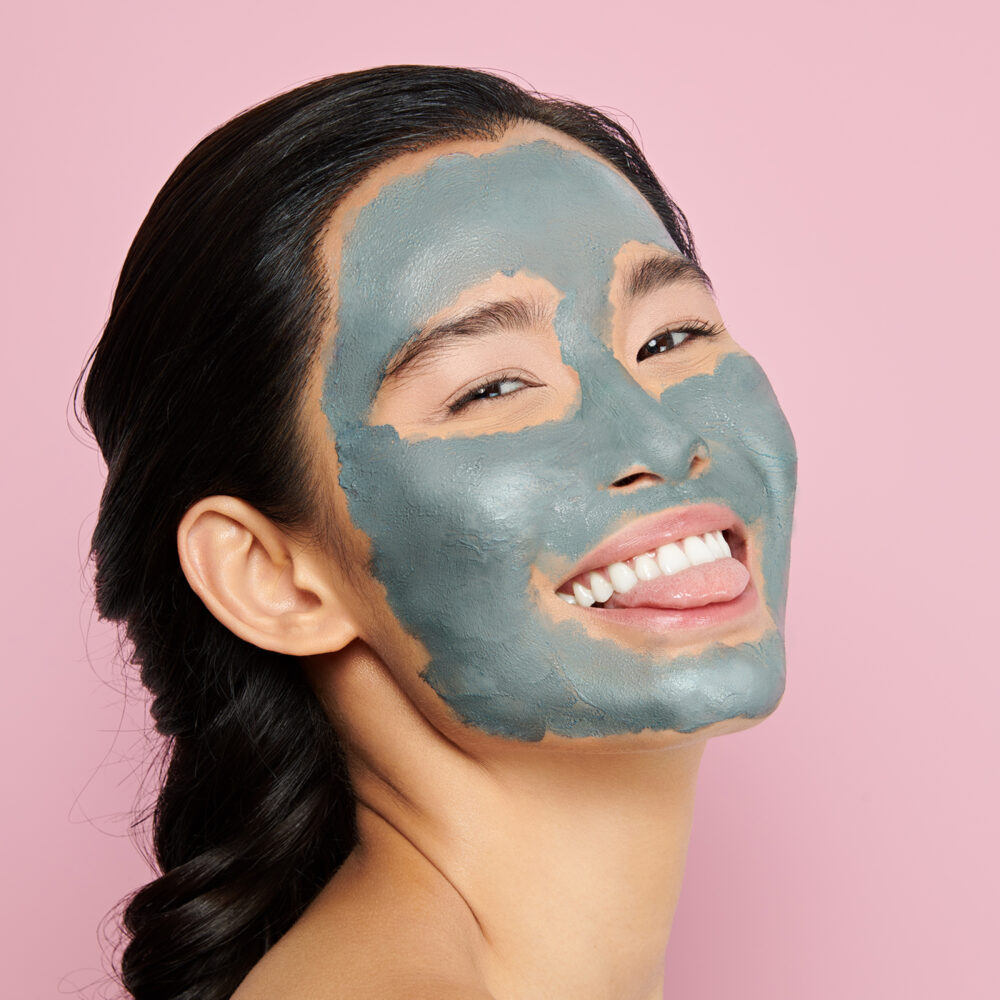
(680, 619)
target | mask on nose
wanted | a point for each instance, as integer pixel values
(461, 526)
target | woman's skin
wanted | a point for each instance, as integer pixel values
(513, 845)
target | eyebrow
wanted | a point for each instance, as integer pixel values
(652, 273)
(505, 316)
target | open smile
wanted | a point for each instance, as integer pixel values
(681, 569)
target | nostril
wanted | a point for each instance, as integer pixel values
(628, 480)
(688, 459)
(635, 477)
(699, 465)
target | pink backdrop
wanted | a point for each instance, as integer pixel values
(837, 162)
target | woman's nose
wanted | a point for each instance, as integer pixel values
(640, 441)
(636, 476)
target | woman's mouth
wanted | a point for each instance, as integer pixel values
(693, 580)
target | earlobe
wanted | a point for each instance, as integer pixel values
(259, 583)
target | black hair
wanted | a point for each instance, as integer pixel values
(196, 388)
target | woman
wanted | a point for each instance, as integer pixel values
(448, 522)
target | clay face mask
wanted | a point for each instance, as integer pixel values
(463, 527)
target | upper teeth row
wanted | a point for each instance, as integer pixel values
(620, 577)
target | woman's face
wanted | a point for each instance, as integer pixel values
(527, 384)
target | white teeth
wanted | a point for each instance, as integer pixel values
(669, 559)
(672, 559)
(622, 578)
(646, 568)
(601, 588)
(697, 551)
(721, 538)
(709, 538)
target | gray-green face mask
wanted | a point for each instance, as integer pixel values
(458, 524)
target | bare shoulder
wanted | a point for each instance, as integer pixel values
(375, 970)
(358, 946)
(376, 984)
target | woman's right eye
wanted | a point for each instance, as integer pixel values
(496, 386)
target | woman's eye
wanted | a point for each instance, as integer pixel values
(489, 390)
(670, 339)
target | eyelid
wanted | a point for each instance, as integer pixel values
(466, 397)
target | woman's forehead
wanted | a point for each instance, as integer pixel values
(342, 220)
(482, 205)
(533, 207)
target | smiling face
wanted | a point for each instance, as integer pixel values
(528, 389)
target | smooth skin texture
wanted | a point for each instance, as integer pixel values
(490, 864)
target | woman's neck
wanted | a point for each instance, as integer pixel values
(555, 873)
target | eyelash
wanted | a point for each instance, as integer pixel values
(472, 396)
(693, 328)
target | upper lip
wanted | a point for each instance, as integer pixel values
(648, 533)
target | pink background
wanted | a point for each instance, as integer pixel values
(837, 162)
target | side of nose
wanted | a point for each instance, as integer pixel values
(637, 476)
(640, 441)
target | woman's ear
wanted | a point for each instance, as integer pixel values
(261, 584)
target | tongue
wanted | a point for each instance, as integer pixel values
(710, 583)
